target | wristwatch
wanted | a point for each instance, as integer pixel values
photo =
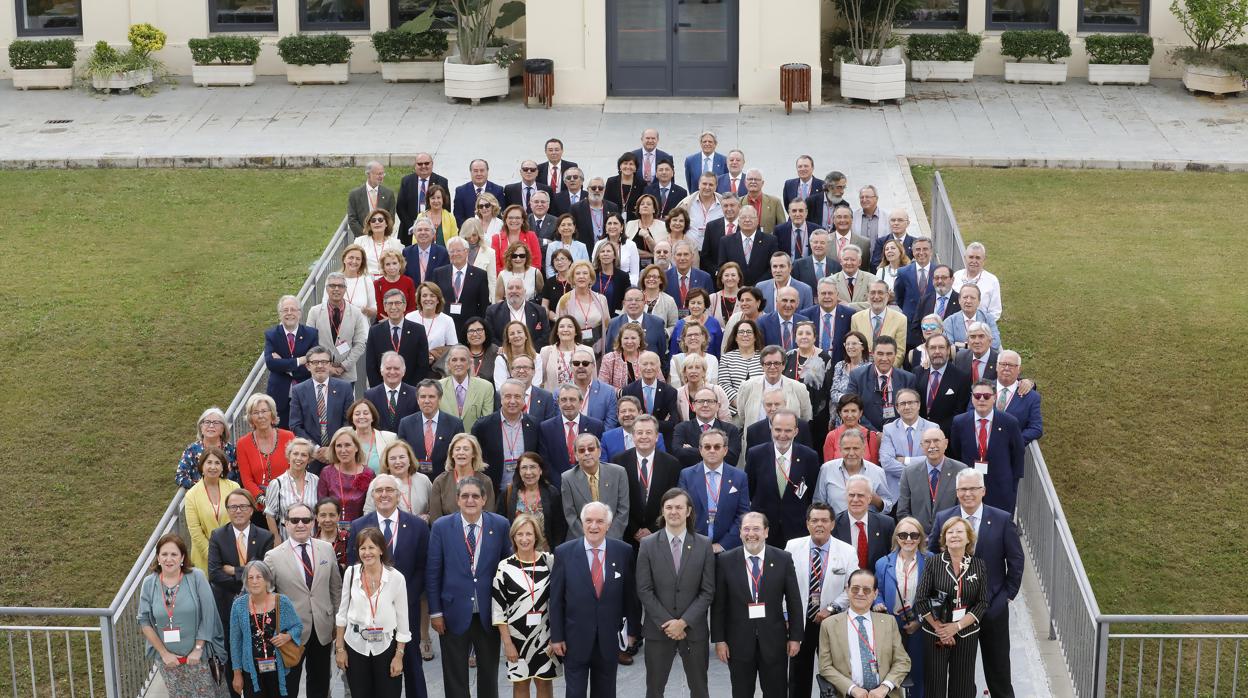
(834, 609)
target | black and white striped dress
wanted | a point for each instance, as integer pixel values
(518, 589)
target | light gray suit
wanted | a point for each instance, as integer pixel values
(612, 491)
(916, 496)
(666, 594)
(316, 606)
(358, 209)
(862, 283)
(353, 331)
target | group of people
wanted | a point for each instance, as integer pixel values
(566, 422)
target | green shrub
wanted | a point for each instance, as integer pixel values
(314, 50)
(1119, 49)
(225, 50)
(53, 53)
(1048, 44)
(949, 46)
(1233, 58)
(398, 45)
(145, 39)
(1211, 24)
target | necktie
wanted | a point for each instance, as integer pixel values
(461, 394)
(818, 270)
(840, 245)
(877, 322)
(648, 172)
(644, 476)
(395, 339)
(798, 243)
(940, 305)
(479, 190)
(729, 227)
(862, 545)
(816, 582)
(983, 439)
(782, 476)
(933, 482)
(554, 178)
(593, 487)
(320, 413)
(595, 572)
(787, 338)
(528, 191)
(307, 564)
(571, 442)
(429, 438)
(574, 198)
(372, 198)
(240, 543)
(335, 321)
(706, 164)
(849, 286)
(884, 391)
(909, 441)
(748, 244)
(684, 288)
(922, 281)
(472, 545)
(394, 402)
(712, 499)
(662, 199)
(975, 524)
(756, 578)
(290, 342)
(649, 393)
(804, 190)
(974, 369)
(1003, 398)
(459, 284)
(825, 335)
(933, 389)
(420, 195)
(676, 554)
(705, 427)
(388, 533)
(865, 655)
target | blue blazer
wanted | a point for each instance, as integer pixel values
(805, 294)
(909, 295)
(241, 655)
(723, 183)
(1005, 455)
(791, 189)
(697, 279)
(285, 371)
(412, 430)
(379, 396)
(1026, 409)
(998, 545)
(840, 327)
(785, 511)
(542, 405)
(693, 168)
(877, 249)
(613, 444)
(784, 241)
(466, 199)
(577, 616)
(303, 421)
(407, 555)
(600, 403)
(553, 443)
(769, 323)
(656, 335)
(734, 502)
(675, 195)
(438, 257)
(449, 578)
(865, 382)
(489, 433)
(886, 577)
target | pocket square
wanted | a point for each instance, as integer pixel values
(949, 391)
(617, 575)
(733, 490)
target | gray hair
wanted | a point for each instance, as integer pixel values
(335, 275)
(828, 281)
(596, 505)
(859, 477)
(704, 134)
(584, 350)
(457, 241)
(1008, 354)
(515, 382)
(753, 171)
(851, 433)
(217, 412)
(571, 386)
(978, 327)
(264, 570)
(298, 442)
(385, 478)
(287, 297)
(456, 347)
(469, 481)
(683, 243)
(978, 246)
(393, 355)
(871, 187)
(796, 420)
(713, 431)
(429, 383)
(393, 293)
(833, 177)
(968, 474)
(851, 247)
(649, 418)
(372, 165)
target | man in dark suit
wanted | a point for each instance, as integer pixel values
(668, 193)
(704, 161)
(716, 230)
(657, 396)
(998, 545)
(734, 179)
(649, 155)
(592, 593)
(877, 383)
(944, 390)
(464, 551)
(720, 492)
(805, 184)
(424, 256)
(397, 334)
(558, 434)
(514, 307)
(369, 196)
(466, 194)
(591, 213)
(539, 404)
(520, 193)
(407, 537)
(394, 399)
(429, 430)
(793, 235)
(686, 435)
(552, 171)
(756, 265)
(819, 207)
(817, 265)
(465, 287)
(412, 194)
(782, 477)
(1022, 405)
(748, 624)
(231, 547)
(992, 442)
(506, 434)
(898, 223)
(830, 317)
(759, 433)
(306, 416)
(650, 472)
(571, 193)
(541, 220)
(683, 277)
(634, 310)
(914, 281)
(869, 533)
(286, 345)
(978, 359)
(928, 486)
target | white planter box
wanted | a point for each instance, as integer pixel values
(322, 74)
(123, 81)
(1110, 74)
(412, 71)
(227, 75)
(1207, 78)
(959, 71)
(1051, 73)
(475, 81)
(873, 82)
(43, 78)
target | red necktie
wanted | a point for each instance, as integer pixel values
(290, 342)
(983, 439)
(554, 178)
(595, 573)
(684, 288)
(728, 229)
(974, 369)
(571, 442)
(934, 391)
(862, 545)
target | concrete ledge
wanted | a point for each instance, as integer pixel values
(1164, 165)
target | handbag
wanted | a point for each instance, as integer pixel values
(942, 605)
(292, 652)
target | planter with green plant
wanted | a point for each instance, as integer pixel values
(320, 59)
(408, 55)
(870, 67)
(480, 66)
(224, 60)
(109, 69)
(946, 56)
(1119, 59)
(1043, 47)
(42, 64)
(1212, 63)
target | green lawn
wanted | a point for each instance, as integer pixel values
(135, 300)
(1123, 292)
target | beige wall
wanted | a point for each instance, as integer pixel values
(573, 35)
(771, 38)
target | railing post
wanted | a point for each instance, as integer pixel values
(109, 659)
(1052, 577)
(1102, 658)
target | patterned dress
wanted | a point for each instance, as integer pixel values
(519, 589)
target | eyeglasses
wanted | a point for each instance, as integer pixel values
(773, 364)
(212, 423)
(238, 507)
(483, 206)
(519, 256)
(855, 589)
(908, 403)
(300, 519)
(705, 401)
(528, 169)
(425, 163)
(470, 330)
(335, 285)
(908, 535)
(712, 447)
(319, 362)
(593, 188)
(520, 367)
(960, 490)
(571, 177)
(469, 495)
(928, 327)
(582, 364)
(376, 219)
(982, 396)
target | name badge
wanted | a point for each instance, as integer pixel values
(265, 666)
(533, 619)
(890, 413)
(683, 312)
(426, 466)
(457, 308)
(758, 611)
(344, 348)
(344, 525)
(587, 334)
(373, 634)
(801, 489)
(981, 467)
(171, 635)
(509, 464)
(958, 613)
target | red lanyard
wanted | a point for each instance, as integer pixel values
(706, 211)
(584, 310)
(312, 554)
(758, 581)
(780, 470)
(870, 645)
(528, 580)
(258, 619)
(216, 506)
(602, 285)
(933, 490)
(407, 500)
(368, 594)
(170, 606)
(510, 443)
(713, 496)
(905, 581)
(472, 556)
(399, 343)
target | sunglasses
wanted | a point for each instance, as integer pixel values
(982, 396)
(582, 364)
(928, 327)
(571, 177)
(376, 219)
(597, 188)
(528, 169)
(483, 206)
(519, 256)
(300, 519)
(908, 535)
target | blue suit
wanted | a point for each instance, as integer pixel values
(877, 248)
(769, 323)
(449, 580)
(865, 382)
(792, 191)
(542, 405)
(656, 334)
(553, 443)
(303, 419)
(886, 582)
(1005, 455)
(767, 287)
(909, 295)
(693, 168)
(840, 328)
(285, 372)
(697, 279)
(734, 502)
(613, 444)
(723, 184)
(600, 404)
(1026, 409)
(438, 257)
(784, 240)
(466, 200)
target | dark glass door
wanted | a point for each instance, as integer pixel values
(671, 47)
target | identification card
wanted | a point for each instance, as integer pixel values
(981, 467)
(265, 666)
(801, 489)
(587, 334)
(344, 525)
(457, 308)
(533, 619)
(373, 634)
(958, 613)
(683, 312)
(344, 348)
(890, 413)
(426, 466)
(758, 611)
(171, 635)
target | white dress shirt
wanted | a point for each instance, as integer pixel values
(355, 611)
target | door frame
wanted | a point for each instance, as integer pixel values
(613, 66)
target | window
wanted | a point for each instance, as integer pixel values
(404, 10)
(242, 15)
(49, 17)
(939, 13)
(1113, 15)
(333, 14)
(1022, 14)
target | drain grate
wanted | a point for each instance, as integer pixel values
(59, 121)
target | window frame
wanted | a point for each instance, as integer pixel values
(215, 27)
(1054, 8)
(19, 10)
(395, 23)
(940, 24)
(1141, 28)
(307, 26)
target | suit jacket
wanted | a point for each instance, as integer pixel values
(862, 283)
(841, 562)
(513, 194)
(927, 306)
(734, 502)
(759, 267)
(755, 641)
(659, 156)
(406, 399)
(879, 534)
(792, 189)
(881, 227)
(877, 250)
(1026, 409)
(760, 433)
(474, 296)
(656, 335)
(723, 183)
(890, 652)
(805, 295)
(773, 213)
(750, 399)
(438, 258)
(666, 593)
(909, 295)
(895, 326)
(499, 314)
(664, 408)
(450, 581)
(286, 371)
(998, 545)
(479, 401)
(353, 330)
(600, 404)
(895, 448)
(317, 604)
(578, 616)
(409, 202)
(358, 208)
(412, 430)
(612, 491)
(545, 230)
(712, 237)
(1005, 454)
(962, 360)
(815, 205)
(489, 433)
(804, 268)
(543, 173)
(952, 397)
(643, 507)
(675, 195)
(413, 347)
(784, 243)
(697, 279)
(561, 203)
(865, 382)
(465, 204)
(408, 553)
(223, 550)
(694, 167)
(542, 405)
(686, 440)
(916, 491)
(786, 511)
(841, 319)
(553, 444)
(585, 220)
(303, 419)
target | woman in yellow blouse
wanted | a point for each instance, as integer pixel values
(205, 503)
(445, 227)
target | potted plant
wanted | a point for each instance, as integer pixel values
(109, 69)
(868, 70)
(1118, 59)
(406, 54)
(42, 64)
(1212, 64)
(946, 56)
(1047, 45)
(224, 60)
(474, 71)
(319, 59)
